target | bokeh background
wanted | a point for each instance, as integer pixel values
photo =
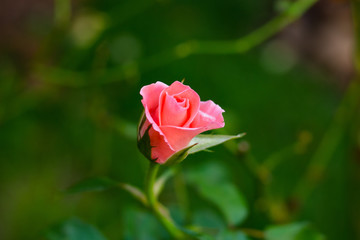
(70, 75)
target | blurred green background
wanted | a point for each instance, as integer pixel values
(70, 76)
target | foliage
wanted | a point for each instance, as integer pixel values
(69, 93)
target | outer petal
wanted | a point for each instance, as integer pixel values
(150, 101)
(177, 87)
(160, 150)
(178, 137)
(209, 116)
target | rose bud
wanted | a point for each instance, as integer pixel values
(173, 116)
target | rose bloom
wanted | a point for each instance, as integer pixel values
(173, 116)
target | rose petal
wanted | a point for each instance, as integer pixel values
(150, 101)
(178, 137)
(173, 113)
(209, 116)
(179, 91)
(176, 88)
(160, 149)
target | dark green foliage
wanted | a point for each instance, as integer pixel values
(69, 105)
(212, 184)
(293, 231)
(74, 229)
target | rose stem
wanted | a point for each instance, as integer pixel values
(166, 221)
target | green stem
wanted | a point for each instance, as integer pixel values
(156, 208)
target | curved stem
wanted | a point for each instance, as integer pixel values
(159, 211)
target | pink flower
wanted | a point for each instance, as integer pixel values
(173, 116)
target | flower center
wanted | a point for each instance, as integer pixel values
(182, 102)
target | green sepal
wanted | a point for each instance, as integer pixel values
(200, 143)
(205, 141)
(179, 156)
(143, 142)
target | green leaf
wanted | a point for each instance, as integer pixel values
(212, 184)
(231, 235)
(199, 143)
(92, 184)
(225, 235)
(139, 224)
(206, 237)
(205, 141)
(74, 229)
(293, 231)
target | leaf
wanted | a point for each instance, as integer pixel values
(74, 229)
(139, 224)
(206, 237)
(199, 143)
(231, 235)
(212, 184)
(205, 141)
(225, 235)
(208, 219)
(92, 184)
(293, 231)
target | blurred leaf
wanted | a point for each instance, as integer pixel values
(205, 141)
(142, 226)
(92, 184)
(206, 218)
(225, 235)
(230, 235)
(212, 184)
(293, 231)
(206, 237)
(74, 229)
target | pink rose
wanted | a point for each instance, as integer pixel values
(173, 116)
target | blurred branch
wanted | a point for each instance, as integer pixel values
(332, 138)
(182, 50)
(356, 19)
(341, 122)
(244, 44)
(241, 45)
(62, 12)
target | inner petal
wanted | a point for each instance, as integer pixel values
(182, 102)
(174, 111)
